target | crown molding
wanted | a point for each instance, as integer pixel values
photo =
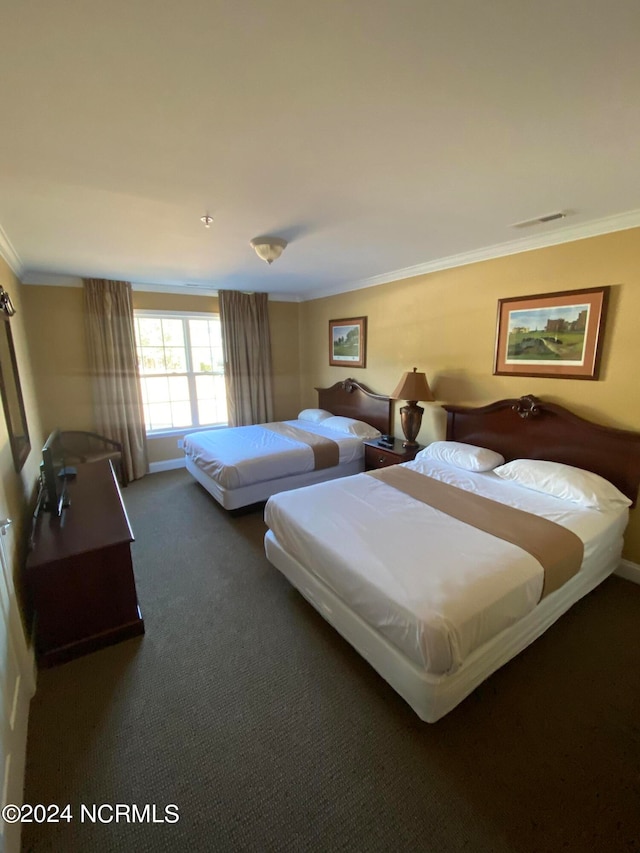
(45, 279)
(50, 279)
(9, 254)
(180, 289)
(569, 234)
(203, 290)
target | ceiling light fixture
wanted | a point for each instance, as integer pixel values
(268, 249)
(207, 220)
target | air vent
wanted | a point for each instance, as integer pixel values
(549, 217)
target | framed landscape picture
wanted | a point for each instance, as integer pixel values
(348, 342)
(557, 335)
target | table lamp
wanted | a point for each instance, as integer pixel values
(412, 387)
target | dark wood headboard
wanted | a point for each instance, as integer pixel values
(352, 400)
(528, 428)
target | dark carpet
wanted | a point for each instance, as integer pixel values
(247, 711)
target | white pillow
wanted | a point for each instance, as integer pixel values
(462, 455)
(314, 416)
(564, 482)
(350, 426)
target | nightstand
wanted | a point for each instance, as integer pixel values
(377, 456)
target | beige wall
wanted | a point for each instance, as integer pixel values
(54, 323)
(285, 354)
(445, 324)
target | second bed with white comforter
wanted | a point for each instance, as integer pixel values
(242, 456)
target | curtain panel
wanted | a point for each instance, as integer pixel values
(109, 327)
(246, 341)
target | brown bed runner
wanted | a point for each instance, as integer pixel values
(326, 453)
(558, 550)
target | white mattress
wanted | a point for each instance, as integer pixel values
(390, 558)
(240, 456)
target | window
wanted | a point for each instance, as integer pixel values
(181, 370)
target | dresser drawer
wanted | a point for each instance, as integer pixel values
(378, 457)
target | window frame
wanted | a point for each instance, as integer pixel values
(190, 374)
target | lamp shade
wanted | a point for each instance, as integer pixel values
(413, 386)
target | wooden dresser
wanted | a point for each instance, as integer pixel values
(79, 571)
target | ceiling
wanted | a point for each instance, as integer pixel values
(381, 138)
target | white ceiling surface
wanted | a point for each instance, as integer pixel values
(380, 138)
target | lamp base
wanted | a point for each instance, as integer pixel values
(411, 419)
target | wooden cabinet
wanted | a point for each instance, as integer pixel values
(377, 456)
(79, 571)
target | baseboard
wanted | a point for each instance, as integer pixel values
(628, 570)
(167, 465)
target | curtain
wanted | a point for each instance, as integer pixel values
(246, 341)
(108, 315)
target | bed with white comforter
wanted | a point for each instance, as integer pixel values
(241, 466)
(436, 604)
(244, 465)
(242, 456)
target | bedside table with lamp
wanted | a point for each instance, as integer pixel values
(387, 451)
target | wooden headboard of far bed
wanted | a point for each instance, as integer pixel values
(349, 399)
(528, 428)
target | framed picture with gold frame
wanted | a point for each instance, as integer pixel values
(555, 335)
(348, 342)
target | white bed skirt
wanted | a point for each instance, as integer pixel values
(256, 492)
(432, 696)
